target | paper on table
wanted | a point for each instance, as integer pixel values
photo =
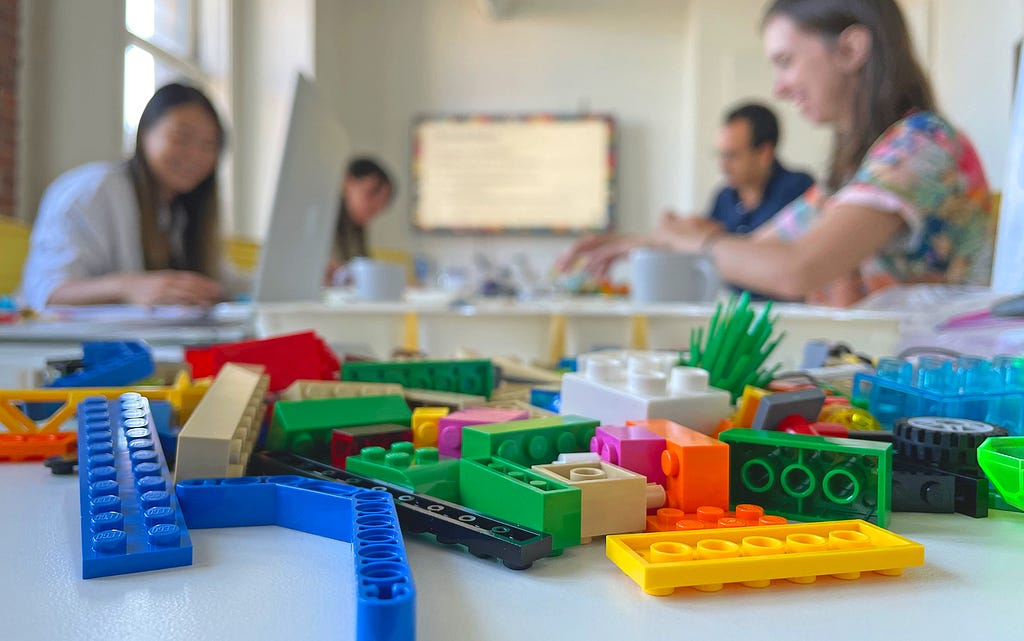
(1008, 268)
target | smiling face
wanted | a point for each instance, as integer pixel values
(812, 72)
(181, 149)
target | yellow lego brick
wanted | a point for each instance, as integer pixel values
(302, 390)
(424, 425)
(746, 407)
(219, 436)
(754, 556)
(613, 499)
(183, 397)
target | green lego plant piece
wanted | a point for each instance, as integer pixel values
(304, 427)
(465, 377)
(1002, 459)
(810, 478)
(510, 492)
(419, 470)
(736, 346)
(529, 442)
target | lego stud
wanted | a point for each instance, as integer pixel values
(670, 552)
(690, 524)
(604, 368)
(655, 496)
(539, 449)
(797, 543)
(748, 512)
(426, 456)
(668, 517)
(715, 549)
(761, 546)
(579, 457)
(688, 380)
(647, 382)
(425, 432)
(374, 454)
(107, 521)
(847, 540)
(110, 542)
(604, 449)
(105, 503)
(710, 515)
(164, 535)
(730, 522)
(669, 463)
(102, 473)
(587, 474)
(102, 488)
(771, 519)
(398, 460)
(159, 515)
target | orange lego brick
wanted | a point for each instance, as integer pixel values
(696, 466)
(755, 556)
(36, 447)
(707, 517)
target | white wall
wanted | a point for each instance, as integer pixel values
(273, 41)
(72, 77)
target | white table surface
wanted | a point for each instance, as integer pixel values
(268, 583)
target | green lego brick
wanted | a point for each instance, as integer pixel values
(1002, 460)
(304, 427)
(465, 377)
(810, 478)
(510, 492)
(420, 470)
(534, 441)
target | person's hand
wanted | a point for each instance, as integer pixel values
(674, 223)
(170, 287)
(596, 253)
(332, 266)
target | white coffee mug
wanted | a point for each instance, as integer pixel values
(377, 280)
(663, 276)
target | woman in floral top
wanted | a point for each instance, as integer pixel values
(905, 200)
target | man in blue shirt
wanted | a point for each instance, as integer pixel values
(757, 185)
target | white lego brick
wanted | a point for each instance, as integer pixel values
(219, 436)
(615, 387)
(613, 499)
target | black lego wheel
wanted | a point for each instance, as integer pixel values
(946, 443)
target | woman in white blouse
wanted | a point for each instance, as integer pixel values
(144, 231)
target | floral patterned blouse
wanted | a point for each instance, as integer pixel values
(929, 174)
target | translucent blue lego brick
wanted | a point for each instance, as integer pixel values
(130, 519)
(972, 388)
(386, 595)
(110, 364)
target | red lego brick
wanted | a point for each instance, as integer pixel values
(286, 358)
(349, 441)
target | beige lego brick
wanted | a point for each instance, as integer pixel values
(424, 425)
(613, 501)
(428, 397)
(534, 411)
(219, 436)
(302, 390)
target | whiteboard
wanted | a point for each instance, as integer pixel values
(500, 174)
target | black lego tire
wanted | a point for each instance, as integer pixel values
(949, 444)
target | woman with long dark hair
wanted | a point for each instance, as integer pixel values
(144, 231)
(905, 199)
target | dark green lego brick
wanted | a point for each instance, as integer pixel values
(504, 490)
(304, 427)
(534, 441)
(420, 470)
(465, 377)
(810, 478)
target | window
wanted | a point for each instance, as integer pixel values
(177, 40)
(168, 40)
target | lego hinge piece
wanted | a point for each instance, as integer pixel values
(366, 518)
(755, 556)
(130, 519)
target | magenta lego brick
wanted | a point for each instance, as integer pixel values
(449, 428)
(635, 448)
(130, 518)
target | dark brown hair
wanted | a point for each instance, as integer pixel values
(201, 240)
(892, 82)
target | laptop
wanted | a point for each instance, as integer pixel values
(305, 207)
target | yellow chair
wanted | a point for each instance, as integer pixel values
(14, 236)
(244, 253)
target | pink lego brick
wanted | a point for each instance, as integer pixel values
(635, 448)
(449, 428)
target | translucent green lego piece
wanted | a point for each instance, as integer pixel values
(1002, 459)
(810, 478)
(304, 427)
(534, 441)
(510, 492)
(464, 377)
(420, 470)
